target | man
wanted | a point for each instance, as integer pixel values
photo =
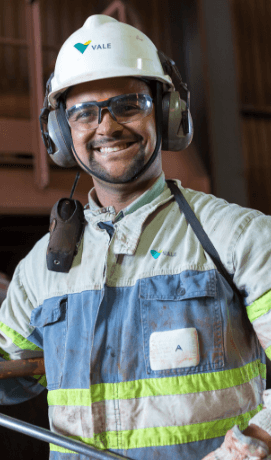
(148, 352)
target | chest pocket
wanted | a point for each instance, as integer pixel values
(51, 321)
(181, 312)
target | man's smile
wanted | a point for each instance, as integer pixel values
(116, 148)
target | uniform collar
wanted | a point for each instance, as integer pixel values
(148, 196)
(128, 230)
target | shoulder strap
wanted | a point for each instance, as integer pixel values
(200, 233)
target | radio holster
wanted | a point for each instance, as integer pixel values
(67, 224)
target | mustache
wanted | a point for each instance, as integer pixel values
(92, 145)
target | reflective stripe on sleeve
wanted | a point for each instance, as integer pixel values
(259, 313)
(21, 342)
(18, 339)
(4, 355)
(262, 327)
(268, 352)
(41, 380)
(260, 307)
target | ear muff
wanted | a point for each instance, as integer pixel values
(55, 131)
(59, 132)
(175, 136)
(177, 128)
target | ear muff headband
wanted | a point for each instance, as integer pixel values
(177, 131)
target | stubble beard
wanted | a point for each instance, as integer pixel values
(133, 168)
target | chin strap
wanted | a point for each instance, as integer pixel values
(158, 118)
(74, 184)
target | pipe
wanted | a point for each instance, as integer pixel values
(21, 368)
(46, 435)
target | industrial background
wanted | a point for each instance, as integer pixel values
(222, 49)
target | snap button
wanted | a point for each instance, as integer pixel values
(181, 291)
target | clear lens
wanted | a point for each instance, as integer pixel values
(126, 109)
(83, 114)
(131, 107)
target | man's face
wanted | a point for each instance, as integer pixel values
(135, 142)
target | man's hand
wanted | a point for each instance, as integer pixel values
(238, 446)
(254, 443)
(256, 432)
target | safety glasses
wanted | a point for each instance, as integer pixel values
(123, 109)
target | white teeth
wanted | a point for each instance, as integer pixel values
(113, 149)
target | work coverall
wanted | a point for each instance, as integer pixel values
(148, 351)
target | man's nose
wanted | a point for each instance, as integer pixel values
(108, 125)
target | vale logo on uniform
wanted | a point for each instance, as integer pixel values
(156, 254)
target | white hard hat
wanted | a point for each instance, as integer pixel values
(105, 48)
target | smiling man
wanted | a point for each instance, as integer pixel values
(115, 150)
(154, 336)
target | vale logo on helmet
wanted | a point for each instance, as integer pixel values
(83, 46)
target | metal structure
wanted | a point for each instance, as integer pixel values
(119, 7)
(33, 28)
(28, 137)
(47, 436)
(21, 368)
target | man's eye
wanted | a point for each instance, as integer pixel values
(85, 115)
(130, 107)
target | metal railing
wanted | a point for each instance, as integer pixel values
(63, 441)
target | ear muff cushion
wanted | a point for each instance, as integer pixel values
(165, 115)
(60, 134)
(65, 129)
(174, 138)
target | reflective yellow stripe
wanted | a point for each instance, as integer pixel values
(4, 355)
(18, 339)
(260, 307)
(268, 352)
(161, 411)
(193, 383)
(70, 397)
(163, 436)
(23, 344)
(42, 380)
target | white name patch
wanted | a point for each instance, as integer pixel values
(174, 349)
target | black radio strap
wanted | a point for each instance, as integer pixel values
(200, 233)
